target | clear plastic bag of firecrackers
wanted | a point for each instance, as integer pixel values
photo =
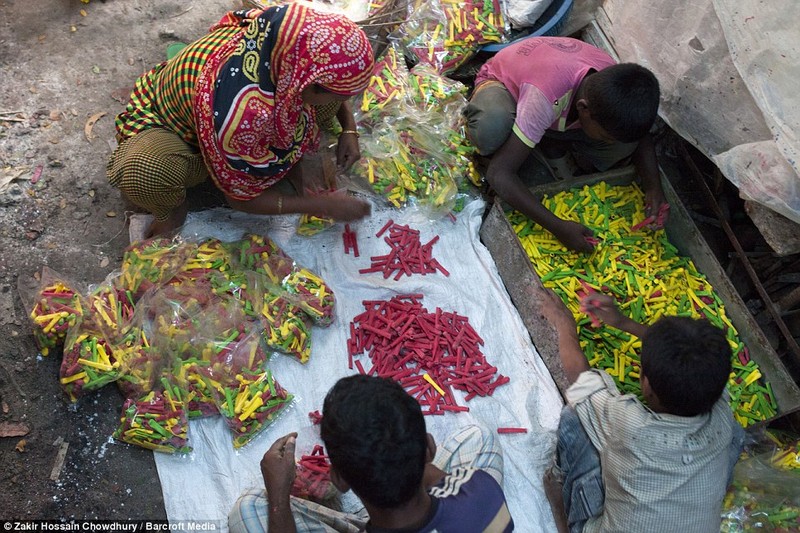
(151, 263)
(89, 362)
(156, 421)
(140, 363)
(228, 341)
(383, 98)
(55, 306)
(253, 252)
(287, 328)
(210, 258)
(311, 294)
(245, 392)
(108, 309)
(313, 479)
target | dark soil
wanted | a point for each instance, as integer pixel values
(63, 62)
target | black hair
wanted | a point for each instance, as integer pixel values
(375, 436)
(623, 99)
(687, 363)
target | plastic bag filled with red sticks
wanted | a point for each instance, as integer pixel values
(151, 263)
(245, 393)
(194, 336)
(156, 421)
(313, 477)
(429, 353)
(55, 304)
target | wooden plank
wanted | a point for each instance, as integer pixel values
(524, 288)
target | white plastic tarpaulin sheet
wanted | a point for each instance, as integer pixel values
(728, 71)
(205, 484)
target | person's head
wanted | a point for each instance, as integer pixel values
(618, 103)
(329, 52)
(685, 364)
(318, 95)
(375, 436)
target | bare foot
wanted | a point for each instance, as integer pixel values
(552, 489)
(162, 228)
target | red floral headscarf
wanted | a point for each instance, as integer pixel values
(251, 120)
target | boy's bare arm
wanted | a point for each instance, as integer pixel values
(503, 176)
(573, 360)
(604, 307)
(646, 163)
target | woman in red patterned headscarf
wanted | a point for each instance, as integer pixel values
(238, 105)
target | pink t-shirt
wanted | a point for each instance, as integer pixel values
(542, 74)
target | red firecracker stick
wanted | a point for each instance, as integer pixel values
(407, 254)
(349, 239)
(404, 342)
(512, 430)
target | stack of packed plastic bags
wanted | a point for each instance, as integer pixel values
(186, 331)
(413, 146)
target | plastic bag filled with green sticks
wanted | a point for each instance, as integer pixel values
(765, 493)
(244, 390)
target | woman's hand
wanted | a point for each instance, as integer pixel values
(342, 207)
(347, 150)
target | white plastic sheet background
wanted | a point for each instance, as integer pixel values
(205, 484)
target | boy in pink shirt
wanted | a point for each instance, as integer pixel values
(564, 96)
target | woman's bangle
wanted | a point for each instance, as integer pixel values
(280, 204)
(352, 132)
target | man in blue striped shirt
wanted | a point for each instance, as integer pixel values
(375, 436)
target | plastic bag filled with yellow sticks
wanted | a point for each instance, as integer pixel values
(88, 361)
(765, 493)
(269, 267)
(208, 258)
(221, 329)
(430, 91)
(384, 96)
(244, 390)
(164, 322)
(140, 363)
(150, 263)
(396, 165)
(56, 305)
(156, 421)
(286, 327)
(448, 33)
(649, 279)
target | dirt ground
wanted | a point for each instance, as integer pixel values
(65, 64)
